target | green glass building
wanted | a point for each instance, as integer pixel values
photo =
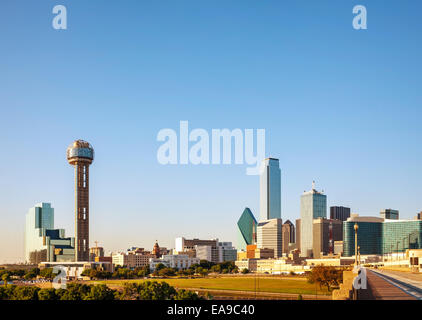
(378, 236)
(246, 229)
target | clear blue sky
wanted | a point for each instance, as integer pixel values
(340, 106)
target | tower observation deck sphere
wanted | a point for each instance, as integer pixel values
(80, 150)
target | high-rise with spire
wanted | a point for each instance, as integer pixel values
(313, 204)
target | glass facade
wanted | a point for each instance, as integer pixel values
(401, 235)
(270, 190)
(369, 238)
(42, 242)
(382, 237)
(313, 204)
(246, 229)
(38, 218)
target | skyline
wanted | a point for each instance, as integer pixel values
(339, 106)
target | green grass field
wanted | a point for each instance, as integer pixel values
(273, 285)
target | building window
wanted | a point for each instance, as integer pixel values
(84, 176)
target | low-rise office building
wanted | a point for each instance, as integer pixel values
(133, 258)
(210, 250)
(377, 236)
(271, 266)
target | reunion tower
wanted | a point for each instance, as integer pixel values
(80, 154)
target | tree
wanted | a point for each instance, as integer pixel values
(100, 292)
(325, 276)
(149, 290)
(75, 291)
(6, 278)
(3, 293)
(47, 294)
(206, 264)
(216, 268)
(186, 295)
(31, 274)
(159, 266)
(166, 272)
(18, 272)
(245, 271)
(25, 293)
(47, 273)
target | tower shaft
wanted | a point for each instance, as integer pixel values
(81, 210)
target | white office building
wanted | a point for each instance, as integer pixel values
(222, 253)
(313, 204)
(270, 236)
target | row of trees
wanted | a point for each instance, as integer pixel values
(7, 275)
(119, 273)
(76, 291)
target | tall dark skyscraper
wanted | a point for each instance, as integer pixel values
(339, 213)
(80, 155)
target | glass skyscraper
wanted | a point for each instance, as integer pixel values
(246, 228)
(38, 218)
(42, 242)
(313, 204)
(270, 189)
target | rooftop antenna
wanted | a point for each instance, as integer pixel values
(313, 185)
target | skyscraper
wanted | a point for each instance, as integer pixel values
(38, 218)
(313, 204)
(270, 189)
(269, 236)
(246, 229)
(80, 154)
(288, 235)
(339, 213)
(43, 243)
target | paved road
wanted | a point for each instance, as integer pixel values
(384, 285)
